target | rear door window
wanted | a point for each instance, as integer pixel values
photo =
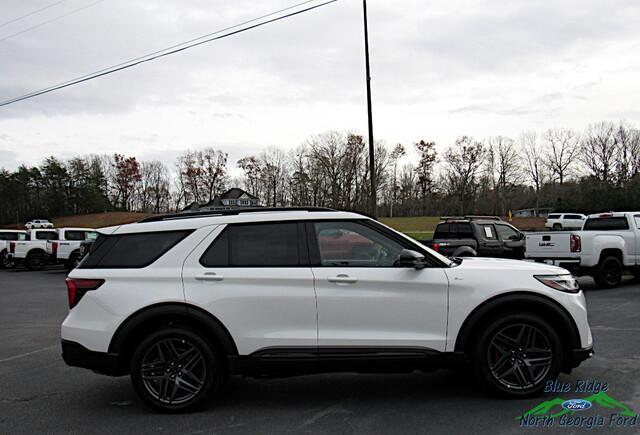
(9, 236)
(75, 235)
(46, 235)
(488, 232)
(553, 216)
(121, 251)
(257, 245)
(572, 216)
(606, 224)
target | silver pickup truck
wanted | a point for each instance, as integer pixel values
(606, 247)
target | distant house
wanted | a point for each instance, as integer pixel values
(232, 198)
(532, 212)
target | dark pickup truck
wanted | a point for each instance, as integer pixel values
(482, 236)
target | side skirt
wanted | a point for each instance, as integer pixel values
(297, 361)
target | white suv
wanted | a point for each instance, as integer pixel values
(38, 223)
(180, 302)
(562, 221)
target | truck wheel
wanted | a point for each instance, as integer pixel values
(72, 262)
(35, 260)
(608, 273)
(175, 369)
(557, 227)
(516, 354)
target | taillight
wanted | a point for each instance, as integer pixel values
(54, 248)
(76, 288)
(576, 243)
(12, 247)
(436, 246)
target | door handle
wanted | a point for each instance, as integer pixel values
(342, 279)
(209, 276)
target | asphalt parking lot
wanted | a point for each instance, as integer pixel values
(40, 394)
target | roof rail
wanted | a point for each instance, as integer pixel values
(228, 212)
(471, 218)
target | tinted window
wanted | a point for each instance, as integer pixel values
(74, 235)
(351, 244)
(255, 245)
(131, 250)
(46, 235)
(606, 224)
(553, 216)
(488, 232)
(637, 219)
(11, 236)
(506, 232)
(572, 216)
(454, 230)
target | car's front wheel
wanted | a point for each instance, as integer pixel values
(175, 370)
(516, 354)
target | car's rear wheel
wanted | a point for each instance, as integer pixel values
(516, 354)
(608, 273)
(557, 227)
(72, 262)
(35, 260)
(175, 370)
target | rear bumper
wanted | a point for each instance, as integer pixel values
(76, 355)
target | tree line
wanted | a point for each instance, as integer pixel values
(562, 169)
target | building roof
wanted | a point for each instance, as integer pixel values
(235, 193)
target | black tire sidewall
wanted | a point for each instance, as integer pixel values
(212, 382)
(602, 267)
(479, 355)
(29, 261)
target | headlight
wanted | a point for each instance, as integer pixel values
(564, 283)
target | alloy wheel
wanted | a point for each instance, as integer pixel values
(173, 371)
(519, 356)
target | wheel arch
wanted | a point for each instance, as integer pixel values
(464, 250)
(146, 320)
(533, 303)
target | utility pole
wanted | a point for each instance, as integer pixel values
(372, 164)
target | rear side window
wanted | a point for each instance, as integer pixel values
(74, 235)
(131, 250)
(9, 236)
(553, 216)
(46, 235)
(454, 230)
(255, 245)
(572, 216)
(606, 224)
(488, 232)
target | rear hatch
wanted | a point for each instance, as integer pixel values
(550, 245)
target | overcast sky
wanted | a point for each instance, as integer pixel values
(440, 69)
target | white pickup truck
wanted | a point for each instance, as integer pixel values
(5, 237)
(606, 247)
(66, 250)
(32, 252)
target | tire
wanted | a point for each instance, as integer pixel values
(72, 262)
(165, 385)
(500, 360)
(35, 260)
(608, 273)
(557, 227)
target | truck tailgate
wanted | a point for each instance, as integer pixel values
(553, 244)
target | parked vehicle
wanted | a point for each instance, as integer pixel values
(565, 221)
(608, 244)
(182, 301)
(38, 223)
(66, 249)
(5, 237)
(32, 251)
(472, 236)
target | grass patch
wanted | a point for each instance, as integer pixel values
(419, 235)
(412, 224)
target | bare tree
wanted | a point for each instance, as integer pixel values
(397, 153)
(599, 150)
(463, 161)
(627, 164)
(533, 162)
(562, 151)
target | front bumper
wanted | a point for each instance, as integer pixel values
(76, 355)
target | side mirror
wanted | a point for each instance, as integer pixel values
(409, 258)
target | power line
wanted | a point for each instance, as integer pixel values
(31, 13)
(176, 48)
(44, 23)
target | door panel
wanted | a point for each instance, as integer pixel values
(362, 306)
(366, 299)
(260, 306)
